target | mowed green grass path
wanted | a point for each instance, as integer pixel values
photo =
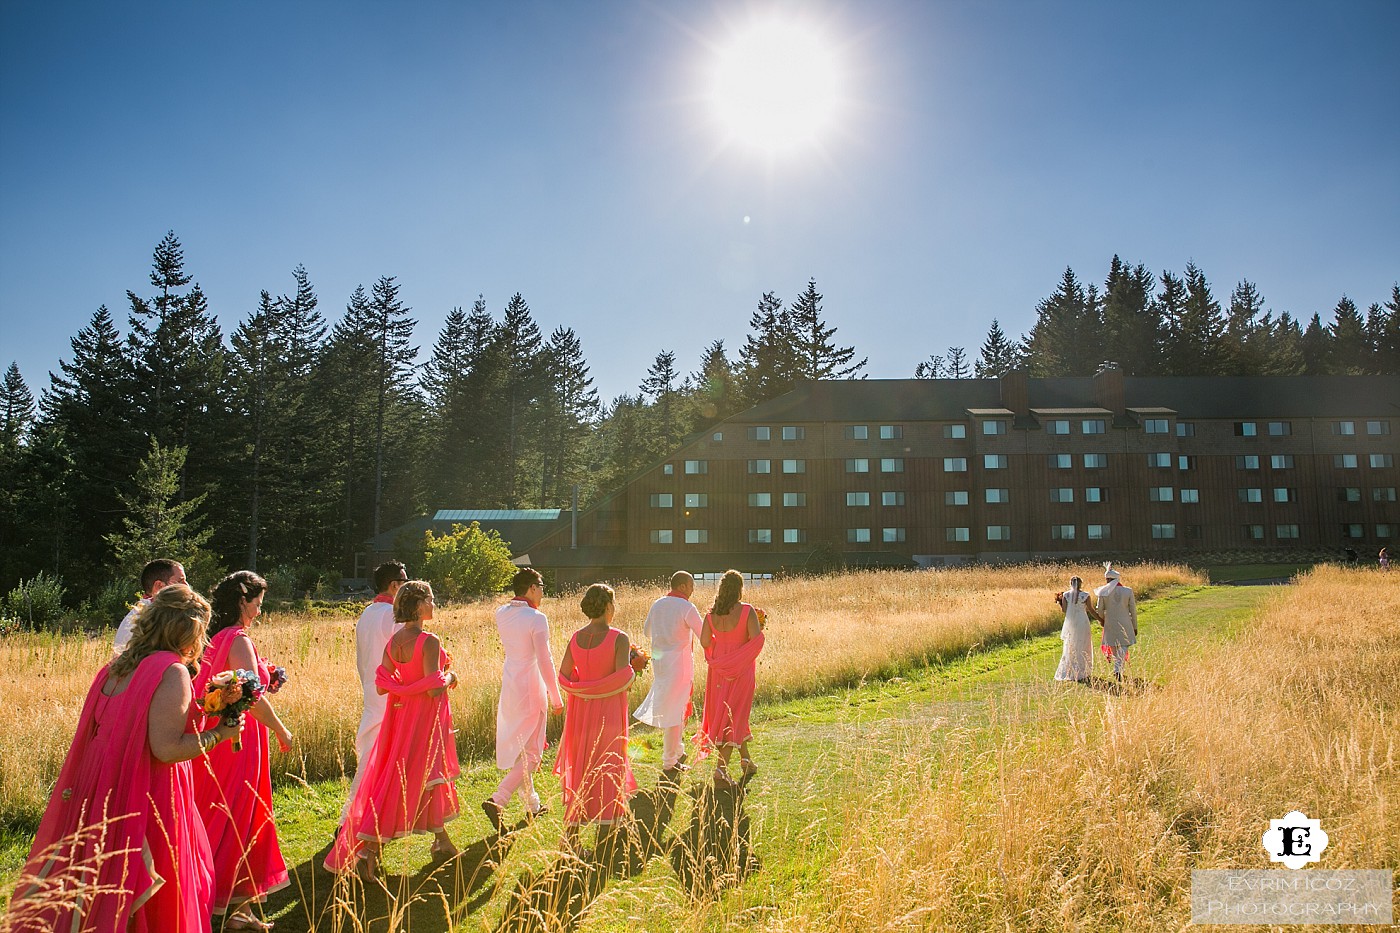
(818, 757)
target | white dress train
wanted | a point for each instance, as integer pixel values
(1078, 658)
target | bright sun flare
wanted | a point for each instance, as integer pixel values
(776, 87)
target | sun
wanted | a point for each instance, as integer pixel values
(777, 86)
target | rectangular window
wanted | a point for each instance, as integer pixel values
(760, 535)
(1062, 532)
(1057, 426)
(668, 469)
(794, 466)
(892, 498)
(955, 497)
(857, 432)
(1282, 494)
(794, 500)
(1378, 427)
(1161, 494)
(994, 461)
(717, 437)
(955, 432)
(1254, 532)
(1159, 460)
(957, 534)
(1280, 428)
(1095, 461)
(1192, 496)
(696, 467)
(954, 464)
(891, 535)
(661, 536)
(760, 466)
(1186, 462)
(1382, 461)
(794, 433)
(1349, 493)
(1246, 429)
(998, 532)
(1380, 494)
(1095, 494)
(1344, 461)
(857, 535)
(892, 465)
(1247, 462)
(891, 432)
(760, 433)
(1281, 461)
(992, 426)
(794, 536)
(998, 496)
(857, 465)
(1163, 532)
(1383, 531)
(1092, 426)
(1156, 426)
(1286, 532)
(1060, 461)
(1062, 494)
(661, 500)
(697, 536)
(1097, 532)
(1353, 531)
(697, 500)
(857, 498)
(761, 500)
(1345, 428)
(1185, 429)
(1253, 494)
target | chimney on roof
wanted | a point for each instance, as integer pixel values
(1015, 391)
(1108, 387)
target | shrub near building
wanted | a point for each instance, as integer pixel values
(467, 562)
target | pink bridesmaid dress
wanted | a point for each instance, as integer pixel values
(729, 685)
(592, 762)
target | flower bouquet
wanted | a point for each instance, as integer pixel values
(639, 659)
(276, 679)
(228, 695)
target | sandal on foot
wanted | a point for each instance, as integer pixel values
(722, 778)
(242, 921)
(448, 851)
(747, 766)
(493, 813)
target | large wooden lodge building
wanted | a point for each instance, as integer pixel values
(915, 472)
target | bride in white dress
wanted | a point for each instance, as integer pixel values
(1078, 658)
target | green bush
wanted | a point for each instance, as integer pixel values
(466, 563)
(37, 602)
(109, 605)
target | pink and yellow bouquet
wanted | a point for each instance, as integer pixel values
(228, 695)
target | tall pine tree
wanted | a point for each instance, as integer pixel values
(817, 356)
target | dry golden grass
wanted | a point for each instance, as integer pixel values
(822, 632)
(1094, 826)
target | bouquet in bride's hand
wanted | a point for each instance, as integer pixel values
(228, 695)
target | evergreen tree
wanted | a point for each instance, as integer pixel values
(1064, 325)
(1315, 347)
(16, 431)
(343, 392)
(817, 356)
(518, 341)
(998, 357)
(16, 410)
(957, 363)
(570, 410)
(1246, 331)
(622, 442)
(932, 368)
(716, 385)
(159, 522)
(254, 377)
(1170, 306)
(1284, 341)
(1349, 353)
(768, 359)
(389, 329)
(660, 387)
(1388, 338)
(1196, 342)
(1131, 327)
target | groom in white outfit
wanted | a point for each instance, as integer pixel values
(373, 630)
(671, 622)
(1117, 607)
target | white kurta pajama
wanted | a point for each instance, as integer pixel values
(1118, 606)
(528, 687)
(672, 623)
(373, 630)
(127, 627)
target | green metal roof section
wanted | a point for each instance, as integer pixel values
(497, 515)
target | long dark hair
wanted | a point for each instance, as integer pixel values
(227, 608)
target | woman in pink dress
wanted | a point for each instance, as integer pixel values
(234, 788)
(592, 763)
(121, 848)
(409, 779)
(732, 637)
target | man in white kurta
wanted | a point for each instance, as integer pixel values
(373, 630)
(671, 623)
(1117, 605)
(528, 680)
(155, 576)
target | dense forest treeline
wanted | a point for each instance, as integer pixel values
(295, 438)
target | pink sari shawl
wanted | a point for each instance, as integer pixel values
(114, 824)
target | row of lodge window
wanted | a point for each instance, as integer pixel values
(1001, 496)
(958, 534)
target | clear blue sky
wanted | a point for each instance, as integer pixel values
(565, 151)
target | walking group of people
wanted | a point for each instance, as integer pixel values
(1114, 607)
(158, 822)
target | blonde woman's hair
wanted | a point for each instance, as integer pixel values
(596, 600)
(176, 619)
(411, 596)
(731, 587)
